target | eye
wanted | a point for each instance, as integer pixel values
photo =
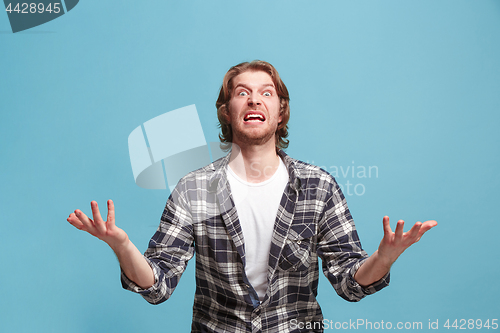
(267, 94)
(242, 93)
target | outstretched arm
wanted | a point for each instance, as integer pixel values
(391, 247)
(132, 261)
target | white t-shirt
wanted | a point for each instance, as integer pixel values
(257, 206)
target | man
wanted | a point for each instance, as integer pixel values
(257, 221)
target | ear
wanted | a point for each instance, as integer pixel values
(282, 109)
(227, 114)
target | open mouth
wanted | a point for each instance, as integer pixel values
(254, 117)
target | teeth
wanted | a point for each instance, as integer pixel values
(254, 117)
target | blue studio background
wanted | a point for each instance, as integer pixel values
(409, 88)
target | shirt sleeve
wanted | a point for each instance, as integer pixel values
(169, 250)
(340, 249)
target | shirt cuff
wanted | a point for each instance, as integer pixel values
(371, 289)
(132, 286)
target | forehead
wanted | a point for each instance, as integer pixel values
(253, 79)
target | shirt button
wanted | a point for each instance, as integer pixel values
(298, 242)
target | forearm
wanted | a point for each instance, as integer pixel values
(134, 265)
(372, 270)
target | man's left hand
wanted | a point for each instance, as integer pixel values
(395, 243)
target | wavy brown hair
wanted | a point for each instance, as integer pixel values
(226, 136)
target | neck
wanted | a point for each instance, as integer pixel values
(254, 163)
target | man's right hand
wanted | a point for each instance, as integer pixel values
(106, 231)
(133, 263)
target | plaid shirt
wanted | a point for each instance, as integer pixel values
(312, 221)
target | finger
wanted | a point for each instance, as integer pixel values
(430, 224)
(413, 234)
(98, 222)
(87, 223)
(426, 226)
(387, 226)
(111, 213)
(74, 221)
(95, 211)
(399, 229)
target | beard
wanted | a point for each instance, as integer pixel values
(250, 138)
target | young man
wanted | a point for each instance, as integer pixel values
(257, 220)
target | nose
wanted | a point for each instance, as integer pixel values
(253, 100)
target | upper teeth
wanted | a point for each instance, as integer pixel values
(254, 116)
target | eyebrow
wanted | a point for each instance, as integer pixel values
(247, 87)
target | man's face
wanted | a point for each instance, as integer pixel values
(254, 109)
